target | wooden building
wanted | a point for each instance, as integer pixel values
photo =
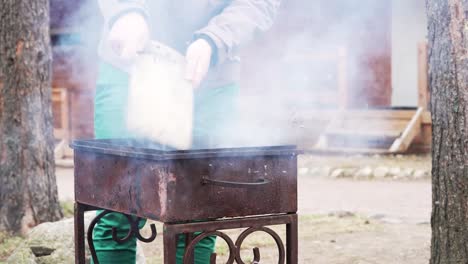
(74, 32)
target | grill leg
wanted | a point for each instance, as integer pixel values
(292, 241)
(79, 234)
(170, 245)
(188, 239)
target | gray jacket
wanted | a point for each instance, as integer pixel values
(226, 24)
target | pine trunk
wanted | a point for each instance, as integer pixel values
(28, 190)
(448, 77)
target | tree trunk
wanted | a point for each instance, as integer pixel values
(448, 78)
(28, 190)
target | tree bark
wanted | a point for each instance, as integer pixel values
(448, 79)
(28, 190)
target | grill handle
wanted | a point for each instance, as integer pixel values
(207, 181)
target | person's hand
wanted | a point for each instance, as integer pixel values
(198, 59)
(129, 35)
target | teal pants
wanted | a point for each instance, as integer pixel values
(214, 110)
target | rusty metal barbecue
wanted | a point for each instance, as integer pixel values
(200, 190)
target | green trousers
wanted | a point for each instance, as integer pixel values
(214, 111)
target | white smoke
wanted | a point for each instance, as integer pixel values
(283, 72)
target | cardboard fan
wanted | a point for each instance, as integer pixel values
(160, 100)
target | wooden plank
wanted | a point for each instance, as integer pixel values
(359, 143)
(334, 151)
(413, 129)
(327, 114)
(364, 133)
(380, 114)
(397, 115)
(426, 118)
(423, 87)
(61, 127)
(426, 134)
(381, 125)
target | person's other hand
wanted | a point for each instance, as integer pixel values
(129, 35)
(198, 59)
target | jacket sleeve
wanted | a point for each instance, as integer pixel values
(237, 23)
(111, 10)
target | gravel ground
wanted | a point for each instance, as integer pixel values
(407, 201)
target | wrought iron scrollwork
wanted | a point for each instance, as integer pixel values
(190, 248)
(234, 249)
(249, 231)
(134, 231)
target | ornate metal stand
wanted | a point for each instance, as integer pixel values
(134, 231)
(288, 254)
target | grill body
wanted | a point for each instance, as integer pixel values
(152, 181)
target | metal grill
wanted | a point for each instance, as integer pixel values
(198, 190)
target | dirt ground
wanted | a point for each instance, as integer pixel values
(332, 239)
(341, 220)
(394, 201)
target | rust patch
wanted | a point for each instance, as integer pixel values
(162, 191)
(19, 48)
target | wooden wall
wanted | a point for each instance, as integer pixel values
(77, 75)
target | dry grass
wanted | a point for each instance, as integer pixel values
(68, 208)
(8, 244)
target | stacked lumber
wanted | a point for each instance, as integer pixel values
(391, 130)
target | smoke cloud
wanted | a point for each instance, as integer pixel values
(294, 69)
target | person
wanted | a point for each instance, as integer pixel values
(210, 34)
